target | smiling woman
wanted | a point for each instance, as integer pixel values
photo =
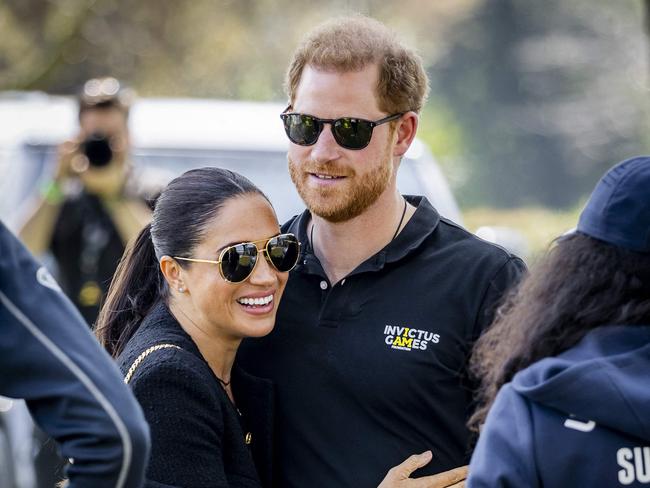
(208, 271)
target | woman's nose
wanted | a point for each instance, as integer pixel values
(264, 273)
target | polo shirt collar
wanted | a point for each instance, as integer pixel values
(424, 221)
(421, 225)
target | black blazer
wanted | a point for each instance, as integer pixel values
(197, 435)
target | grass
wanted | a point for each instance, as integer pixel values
(538, 225)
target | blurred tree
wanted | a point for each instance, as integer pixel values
(646, 18)
(530, 101)
(216, 48)
(548, 94)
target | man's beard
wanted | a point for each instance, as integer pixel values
(340, 204)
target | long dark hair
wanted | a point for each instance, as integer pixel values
(180, 216)
(582, 283)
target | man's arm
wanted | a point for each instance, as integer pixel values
(37, 231)
(128, 215)
(504, 280)
(72, 387)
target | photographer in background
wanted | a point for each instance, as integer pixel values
(84, 216)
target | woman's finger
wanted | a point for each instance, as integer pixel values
(453, 478)
(397, 474)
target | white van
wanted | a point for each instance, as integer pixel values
(170, 136)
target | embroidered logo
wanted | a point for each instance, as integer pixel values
(408, 338)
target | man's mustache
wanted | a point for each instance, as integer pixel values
(328, 168)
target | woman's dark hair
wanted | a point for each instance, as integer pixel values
(180, 216)
(582, 283)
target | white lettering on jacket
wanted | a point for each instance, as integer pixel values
(635, 463)
(574, 424)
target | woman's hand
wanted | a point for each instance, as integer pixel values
(399, 476)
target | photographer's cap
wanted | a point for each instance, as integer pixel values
(618, 210)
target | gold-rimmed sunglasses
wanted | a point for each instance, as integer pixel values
(237, 262)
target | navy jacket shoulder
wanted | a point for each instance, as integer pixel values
(592, 400)
(72, 387)
(198, 436)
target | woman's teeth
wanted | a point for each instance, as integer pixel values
(259, 302)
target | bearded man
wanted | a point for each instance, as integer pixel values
(370, 348)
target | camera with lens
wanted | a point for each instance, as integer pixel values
(97, 148)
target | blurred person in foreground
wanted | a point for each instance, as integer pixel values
(208, 271)
(73, 390)
(565, 368)
(85, 216)
(372, 337)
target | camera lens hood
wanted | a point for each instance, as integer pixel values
(97, 148)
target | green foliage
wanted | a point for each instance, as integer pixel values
(538, 225)
(530, 101)
(204, 48)
(443, 133)
(548, 94)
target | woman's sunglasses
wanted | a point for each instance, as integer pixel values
(348, 132)
(236, 263)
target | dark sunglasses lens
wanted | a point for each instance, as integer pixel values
(283, 252)
(301, 129)
(237, 262)
(352, 133)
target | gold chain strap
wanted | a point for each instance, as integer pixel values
(248, 437)
(141, 357)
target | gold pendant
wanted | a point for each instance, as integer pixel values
(90, 294)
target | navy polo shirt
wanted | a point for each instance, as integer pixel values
(371, 369)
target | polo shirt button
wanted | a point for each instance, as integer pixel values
(323, 285)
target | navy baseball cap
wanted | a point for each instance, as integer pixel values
(618, 210)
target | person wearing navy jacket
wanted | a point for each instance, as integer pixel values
(71, 386)
(565, 368)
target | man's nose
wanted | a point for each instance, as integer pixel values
(326, 148)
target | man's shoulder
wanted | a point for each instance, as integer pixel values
(292, 224)
(460, 253)
(450, 234)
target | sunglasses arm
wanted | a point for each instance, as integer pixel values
(210, 261)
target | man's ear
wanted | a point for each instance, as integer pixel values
(173, 273)
(405, 131)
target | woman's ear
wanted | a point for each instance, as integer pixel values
(173, 274)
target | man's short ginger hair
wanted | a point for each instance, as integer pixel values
(352, 43)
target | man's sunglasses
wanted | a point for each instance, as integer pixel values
(236, 263)
(348, 132)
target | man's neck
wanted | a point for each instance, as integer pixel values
(342, 246)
